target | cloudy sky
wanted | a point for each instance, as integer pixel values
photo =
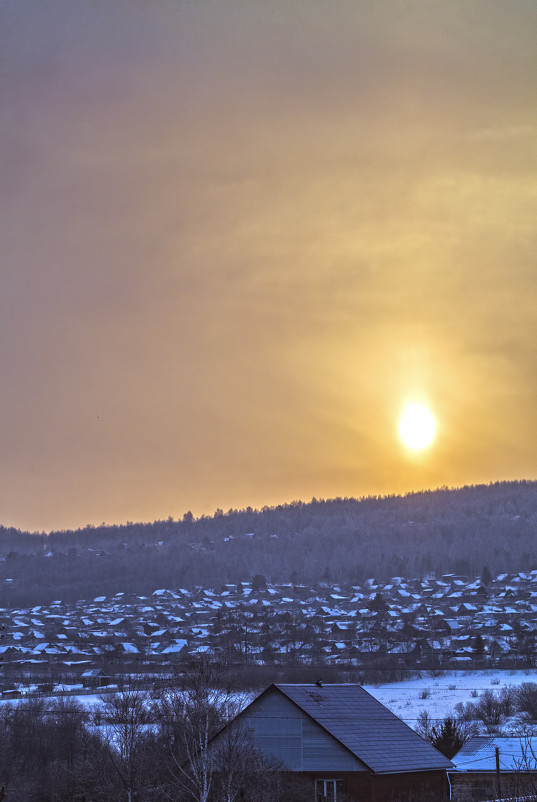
(238, 236)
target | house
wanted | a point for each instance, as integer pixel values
(12, 693)
(95, 678)
(344, 742)
(503, 766)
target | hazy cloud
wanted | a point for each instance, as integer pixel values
(237, 236)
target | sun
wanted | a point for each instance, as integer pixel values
(417, 427)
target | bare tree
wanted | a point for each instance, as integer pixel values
(191, 715)
(241, 770)
(523, 780)
(125, 717)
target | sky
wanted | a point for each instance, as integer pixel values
(239, 236)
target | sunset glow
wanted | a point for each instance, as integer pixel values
(236, 235)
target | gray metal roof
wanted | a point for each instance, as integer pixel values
(368, 729)
(479, 753)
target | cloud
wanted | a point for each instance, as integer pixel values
(238, 236)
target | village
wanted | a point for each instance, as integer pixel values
(446, 622)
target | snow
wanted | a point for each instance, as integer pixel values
(175, 646)
(439, 695)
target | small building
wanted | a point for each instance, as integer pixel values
(11, 693)
(95, 678)
(480, 772)
(344, 743)
(45, 687)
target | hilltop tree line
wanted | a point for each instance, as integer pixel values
(340, 541)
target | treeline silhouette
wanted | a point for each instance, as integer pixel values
(340, 541)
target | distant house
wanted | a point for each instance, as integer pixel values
(345, 743)
(95, 678)
(11, 693)
(476, 775)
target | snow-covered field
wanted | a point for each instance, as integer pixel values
(439, 695)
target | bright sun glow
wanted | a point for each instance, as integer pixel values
(417, 427)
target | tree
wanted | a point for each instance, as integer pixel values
(479, 647)
(125, 718)
(424, 725)
(449, 737)
(486, 577)
(259, 582)
(523, 784)
(526, 700)
(378, 604)
(47, 751)
(191, 716)
(242, 772)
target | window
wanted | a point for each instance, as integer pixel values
(328, 790)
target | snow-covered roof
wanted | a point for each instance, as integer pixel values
(479, 754)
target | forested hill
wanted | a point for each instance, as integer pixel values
(340, 541)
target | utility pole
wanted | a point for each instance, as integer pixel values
(498, 783)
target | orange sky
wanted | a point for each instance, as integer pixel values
(237, 236)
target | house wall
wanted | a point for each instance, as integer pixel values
(282, 730)
(468, 786)
(366, 787)
(358, 787)
(431, 785)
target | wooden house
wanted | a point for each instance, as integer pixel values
(343, 742)
(95, 678)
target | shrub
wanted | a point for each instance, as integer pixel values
(526, 700)
(466, 712)
(508, 700)
(490, 709)
(424, 725)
